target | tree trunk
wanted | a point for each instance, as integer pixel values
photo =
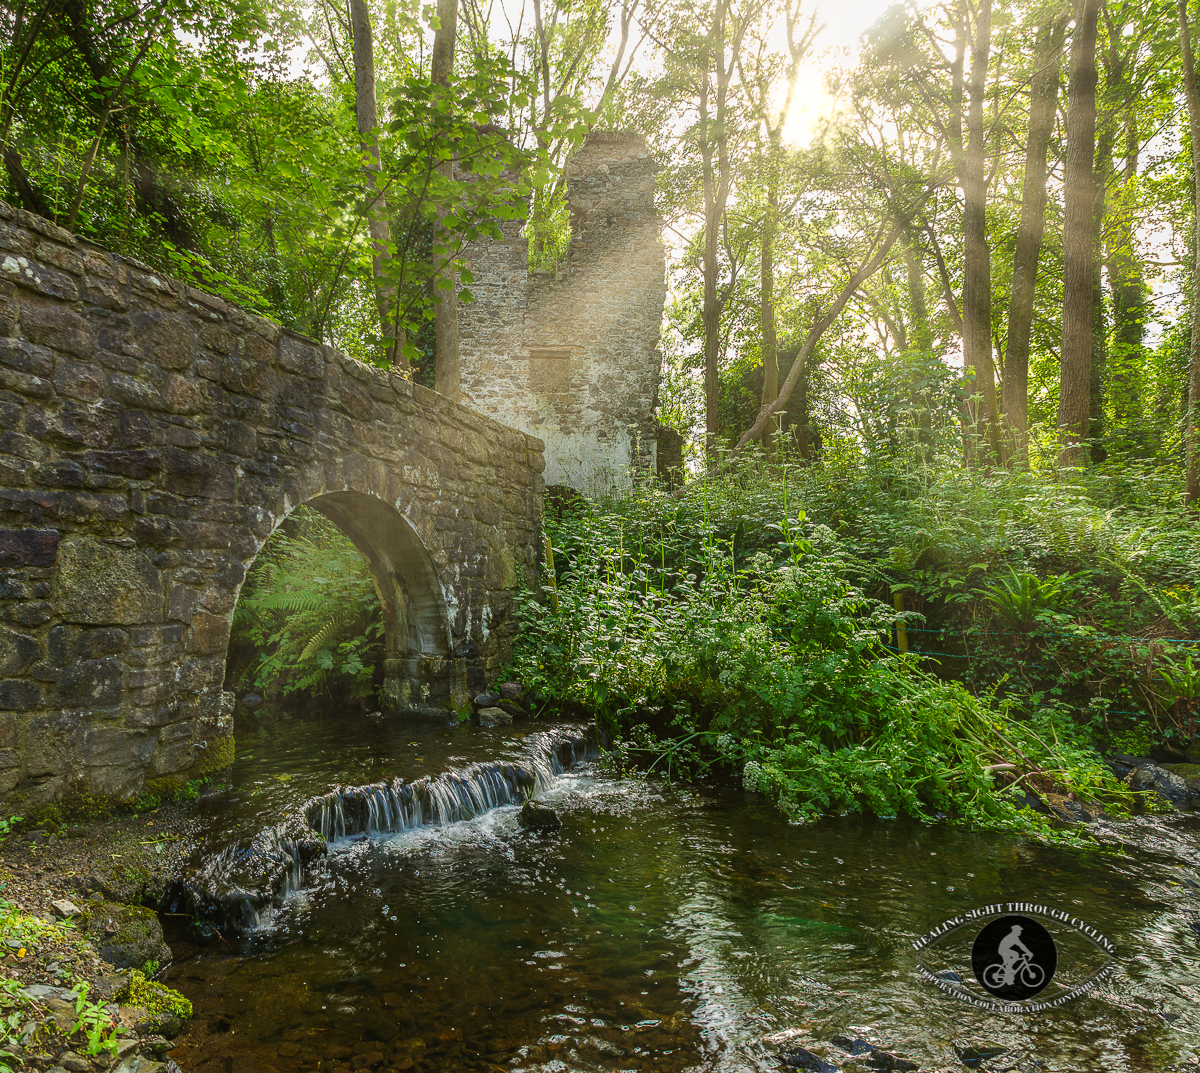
(770, 340)
(1074, 397)
(800, 366)
(1192, 421)
(445, 301)
(367, 114)
(1043, 104)
(1129, 295)
(977, 269)
(1097, 382)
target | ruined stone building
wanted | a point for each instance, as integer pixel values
(571, 356)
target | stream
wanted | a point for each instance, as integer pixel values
(663, 927)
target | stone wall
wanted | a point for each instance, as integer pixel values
(151, 439)
(572, 357)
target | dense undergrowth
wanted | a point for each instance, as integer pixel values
(749, 621)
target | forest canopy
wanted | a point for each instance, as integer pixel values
(977, 236)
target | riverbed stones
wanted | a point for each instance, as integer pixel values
(153, 439)
(802, 1058)
(1150, 778)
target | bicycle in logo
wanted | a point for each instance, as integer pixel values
(1023, 970)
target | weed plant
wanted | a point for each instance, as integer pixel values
(746, 620)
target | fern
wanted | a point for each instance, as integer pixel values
(321, 638)
(309, 617)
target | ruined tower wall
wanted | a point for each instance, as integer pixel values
(572, 357)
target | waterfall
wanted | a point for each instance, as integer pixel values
(239, 884)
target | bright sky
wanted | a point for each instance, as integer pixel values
(845, 21)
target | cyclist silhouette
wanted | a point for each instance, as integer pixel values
(1015, 957)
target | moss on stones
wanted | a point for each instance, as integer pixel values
(124, 935)
(167, 1011)
(217, 757)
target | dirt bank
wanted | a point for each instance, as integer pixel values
(80, 945)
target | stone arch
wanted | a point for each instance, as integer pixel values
(415, 618)
(172, 433)
(417, 622)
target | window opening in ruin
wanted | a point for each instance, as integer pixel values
(548, 229)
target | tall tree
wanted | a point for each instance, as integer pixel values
(1074, 396)
(1043, 106)
(367, 114)
(719, 51)
(758, 76)
(977, 266)
(445, 293)
(1192, 422)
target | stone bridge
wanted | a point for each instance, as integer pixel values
(151, 438)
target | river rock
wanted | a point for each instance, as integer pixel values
(972, 1056)
(486, 700)
(512, 691)
(126, 936)
(875, 1057)
(1190, 773)
(251, 701)
(65, 909)
(494, 717)
(1169, 786)
(537, 817)
(513, 709)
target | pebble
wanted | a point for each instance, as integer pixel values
(65, 908)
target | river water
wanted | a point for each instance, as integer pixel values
(664, 927)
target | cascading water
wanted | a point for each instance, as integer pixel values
(235, 886)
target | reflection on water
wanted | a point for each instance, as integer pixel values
(661, 929)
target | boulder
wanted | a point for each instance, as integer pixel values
(494, 717)
(537, 817)
(251, 701)
(1190, 773)
(486, 700)
(512, 691)
(513, 709)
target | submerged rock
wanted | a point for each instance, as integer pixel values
(538, 818)
(799, 1058)
(875, 1057)
(972, 1057)
(494, 717)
